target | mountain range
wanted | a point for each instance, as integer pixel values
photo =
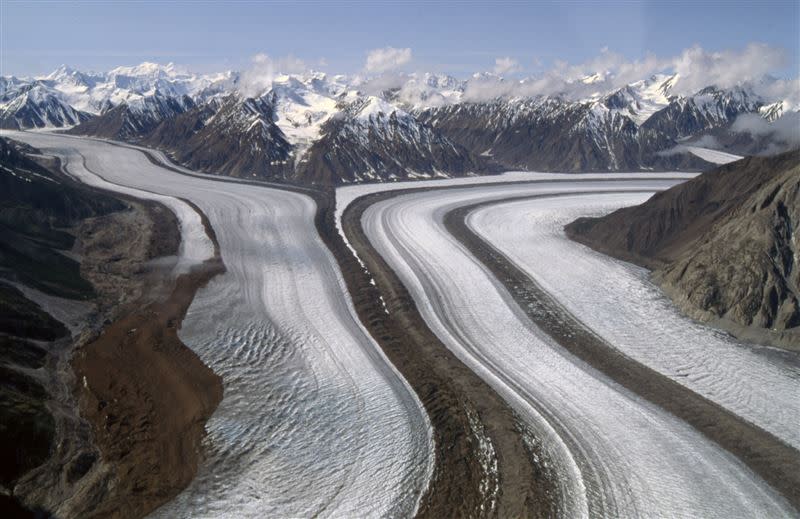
(315, 128)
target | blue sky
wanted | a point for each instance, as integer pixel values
(457, 38)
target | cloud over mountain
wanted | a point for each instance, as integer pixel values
(386, 59)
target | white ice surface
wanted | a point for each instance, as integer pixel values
(619, 302)
(195, 247)
(713, 156)
(619, 455)
(314, 421)
(345, 195)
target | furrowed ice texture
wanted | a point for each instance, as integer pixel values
(621, 456)
(347, 194)
(617, 300)
(315, 422)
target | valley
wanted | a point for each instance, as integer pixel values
(290, 387)
(300, 373)
(396, 260)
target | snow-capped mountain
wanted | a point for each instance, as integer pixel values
(709, 108)
(314, 127)
(628, 129)
(95, 93)
(230, 136)
(429, 90)
(641, 99)
(371, 139)
(136, 117)
(35, 106)
(303, 104)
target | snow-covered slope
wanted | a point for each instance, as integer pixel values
(371, 139)
(641, 99)
(36, 106)
(231, 136)
(434, 125)
(429, 90)
(137, 116)
(303, 104)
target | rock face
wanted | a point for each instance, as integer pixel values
(129, 120)
(551, 135)
(93, 424)
(623, 131)
(35, 106)
(229, 136)
(372, 140)
(724, 245)
(314, 128)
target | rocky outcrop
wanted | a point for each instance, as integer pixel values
(128, 121)
(234, 137)
(372, 140)
(103, 415)
(724, 245)
(35, 106)
(548, 134)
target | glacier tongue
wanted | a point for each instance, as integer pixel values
(622, 456)
(314, 421)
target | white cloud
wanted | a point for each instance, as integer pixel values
(387, 58)
(613, 69)
(375, 85)
(263, 69)
(696, 67)
(505, 65)
(784, 132)
(781, 89)
(699, 68)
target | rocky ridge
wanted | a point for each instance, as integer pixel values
(306, 128)
(724, 245)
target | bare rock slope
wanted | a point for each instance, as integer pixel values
(724, 245)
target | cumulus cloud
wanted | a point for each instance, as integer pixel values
(375, 85)
(263, 69)
(610, 67)
(609, 71)
(386, 59)
(699, 68)
(505, 65)
(780, 89)
(707, 141)
(783, 133)
(604, 73)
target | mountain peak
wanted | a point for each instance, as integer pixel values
(61, 72)
(147, 69)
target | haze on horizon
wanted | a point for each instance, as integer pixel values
(512, 39)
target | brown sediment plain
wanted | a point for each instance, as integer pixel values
(155, 393)
(145, 393)
(765, 454)
(453, 395)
